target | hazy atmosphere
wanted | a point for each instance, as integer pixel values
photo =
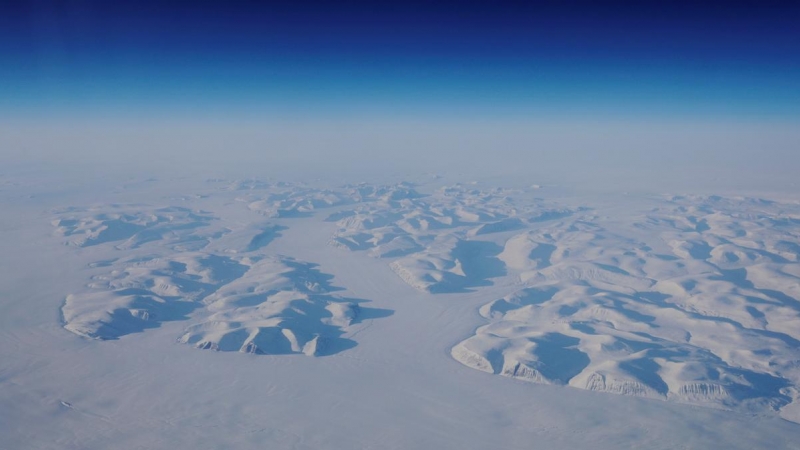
(560, 89)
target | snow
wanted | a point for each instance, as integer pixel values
(254, 313)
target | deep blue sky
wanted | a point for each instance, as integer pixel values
(672, 59)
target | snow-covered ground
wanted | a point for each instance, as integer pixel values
(218, 313)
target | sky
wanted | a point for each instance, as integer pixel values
(530, 73)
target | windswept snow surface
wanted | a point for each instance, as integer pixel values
(265, 314)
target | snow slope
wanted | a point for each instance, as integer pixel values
(686, 305)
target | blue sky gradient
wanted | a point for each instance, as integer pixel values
(734, 60)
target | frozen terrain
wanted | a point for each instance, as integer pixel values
(688, 299)
(266, 314)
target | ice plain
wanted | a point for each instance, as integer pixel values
(260, 313)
